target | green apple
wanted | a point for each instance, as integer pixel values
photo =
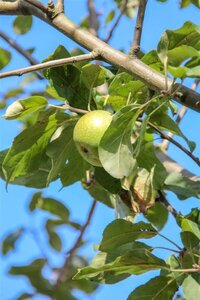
(88, 132)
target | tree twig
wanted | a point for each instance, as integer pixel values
(177, 144)
(71, 252)
(19, 49)
(111, 31)
(93, 18)
(60, 6)
(135, 47)
(152, 78)
(50, 64)
(170, 241)
(70, 108)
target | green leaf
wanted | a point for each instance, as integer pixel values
(25, 296)
(66, 80)
(177, 46)
(64, 155)
(21, 108)
(110, 16)
(36, 179)
(5, 57)
(34, 274)
(191, 288)
(147, 159)
(99, 193)
(94, 75)
(115, 149)
(157, 288)
(111, 184)
(163, 121)
(189, 240)
(49, 204)
(28, 149)
(54, 239)
(9, 242)
(157, 215)
(123, 85)
(182, 186)
(152, 59)
(22, 24)
(162, 48)
(137, 261)
(120, 232)
(190, 226)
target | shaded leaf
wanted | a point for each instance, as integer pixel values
(66, 80)
(189, 240)
(120, 232)
(8, 243)
(54, 239)
(157, 288)
(66, 161)
(157, 215)
(5, 57)
(108, 182)
(133, 262)
(163, 121)
(49, 204)
(182, 186)
(94, 75)
(34, 274)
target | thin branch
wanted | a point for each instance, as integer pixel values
(152, 78)
(70, 108)
(170, 241)
(60, 6)
(169, 207)
(50, 64)
(135, 47)
(71, 253)
(93, 18)
(19, 49)
(177, 144)
(165, 144)
(165, 248)
(192, 270)
(122, 11)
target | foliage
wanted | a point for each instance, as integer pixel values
(132, 181)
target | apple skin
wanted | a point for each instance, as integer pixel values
(88, 132)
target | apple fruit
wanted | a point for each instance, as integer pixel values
(88, 132)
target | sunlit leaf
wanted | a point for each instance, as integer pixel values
(28, 149)
(22, 24)
(21, 108)
(190, 226)
(115, 149)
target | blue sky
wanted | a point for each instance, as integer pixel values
(14, 202)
